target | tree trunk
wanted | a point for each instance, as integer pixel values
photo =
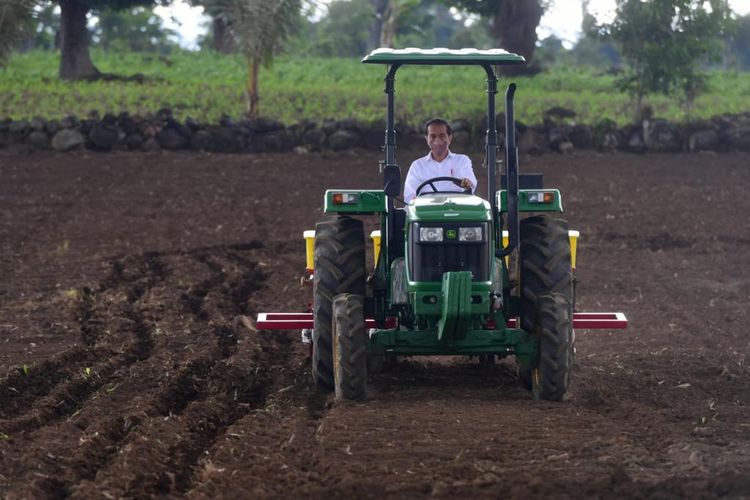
(251, 87)
(222, 41)
(373, 40)
(514, 27)
(388, 26)
(75, 61)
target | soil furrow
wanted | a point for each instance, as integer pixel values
(66, 398)
(89, 320)
(190, 414)
(283, 429)
(25, 385)
(91, 372)
(195, 297)
(21, 388)
(194, 389)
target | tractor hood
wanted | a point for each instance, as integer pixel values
(445, 207)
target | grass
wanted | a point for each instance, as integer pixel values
(206, 86)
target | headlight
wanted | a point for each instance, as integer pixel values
(470, 234)
(431, 234)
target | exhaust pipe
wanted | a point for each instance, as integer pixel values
(511, 173)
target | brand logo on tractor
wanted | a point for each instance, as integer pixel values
(451, 234)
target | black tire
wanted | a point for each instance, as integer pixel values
(545, 269)
(349, 347)
(552, 326)
(339, 268)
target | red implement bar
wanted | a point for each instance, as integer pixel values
(608, 321)
(299, 321)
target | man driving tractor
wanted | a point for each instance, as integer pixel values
(439, 162)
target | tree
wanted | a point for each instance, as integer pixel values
(551, 52)
(513, 25)
(431, 24)
(591, 49)
(16, 18)
(137, 29)
(260, 28)
(75, 60)
(47, 28)
(386, 22)
(343, 32)
(738, 44)
(597, 53)
(665, 42)
(373, 40)
(217, 37)
(41, 29)
(394, 10)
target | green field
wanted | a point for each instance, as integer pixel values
(207, 85)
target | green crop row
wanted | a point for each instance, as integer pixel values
(206, 86)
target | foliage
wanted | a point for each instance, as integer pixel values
(739, 42)
(75, 61)
(475, 34)
(665, 42)
(394, 20)
(16, 17)
(432, 24)
(512, 24)
(45, 29)
(100, 5)
(550, 50)
(342, 32)
(492, 10)
(260, 29)
(206, 85)
(137, 29)
(485, 8)
(595, 53)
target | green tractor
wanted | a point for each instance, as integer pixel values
(455, 274)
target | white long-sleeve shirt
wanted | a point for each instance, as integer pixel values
(453, 165)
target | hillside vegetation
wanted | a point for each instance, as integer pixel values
(205, 86)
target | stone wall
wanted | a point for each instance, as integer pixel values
(558, 133)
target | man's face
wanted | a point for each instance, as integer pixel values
(438, 139)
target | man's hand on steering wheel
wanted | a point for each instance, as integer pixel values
(463, 183)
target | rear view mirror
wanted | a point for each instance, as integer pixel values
(392, 180)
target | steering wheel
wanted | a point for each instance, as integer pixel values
(429, 182)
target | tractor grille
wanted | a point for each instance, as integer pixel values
(429, 261)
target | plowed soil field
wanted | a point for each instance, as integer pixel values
(125, 372)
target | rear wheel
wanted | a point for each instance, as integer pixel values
(545, 270)
(349, 347)
(339, 268)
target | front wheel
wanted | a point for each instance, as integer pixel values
(552, 325)
(545, 271)
(339, 268)
(349, 347)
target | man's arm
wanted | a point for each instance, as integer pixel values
(411, 183)
(467, 173)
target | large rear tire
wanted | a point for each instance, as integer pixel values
(545, 270)
(349, 347)
(339, 268)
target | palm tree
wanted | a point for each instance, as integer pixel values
(16, 17)
(260, 28)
